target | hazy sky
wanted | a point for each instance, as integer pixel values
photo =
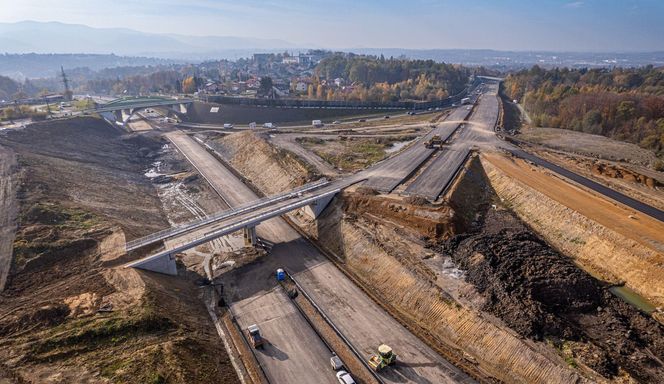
(587, 25)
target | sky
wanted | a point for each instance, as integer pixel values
(554, 25)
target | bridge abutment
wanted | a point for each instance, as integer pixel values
(164, 264)
(316, 208)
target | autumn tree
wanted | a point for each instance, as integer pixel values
(189, 85)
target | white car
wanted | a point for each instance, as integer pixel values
(345, 378)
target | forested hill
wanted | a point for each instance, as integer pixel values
(396, 79)
(624, 104)
(8, 88)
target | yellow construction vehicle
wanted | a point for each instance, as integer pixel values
(434, 142)
(384, 358)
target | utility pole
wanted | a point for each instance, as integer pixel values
(68, 93)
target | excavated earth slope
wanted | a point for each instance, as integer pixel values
(270, 169)
(67, 314)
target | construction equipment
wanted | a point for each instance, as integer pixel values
(255, 337)
(384, 358)
(434, 142)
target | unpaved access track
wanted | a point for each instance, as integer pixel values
(366, 323)
(288, 142)
(7, 211)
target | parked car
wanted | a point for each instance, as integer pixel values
(362, 120)
(228, 126)
(335, 122)
(345, 378)
(387, 116)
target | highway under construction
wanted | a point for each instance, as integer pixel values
(413, 267)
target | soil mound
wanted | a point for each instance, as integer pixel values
(541, 294)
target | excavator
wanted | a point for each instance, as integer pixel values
(384, 358)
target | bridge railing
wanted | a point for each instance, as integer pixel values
(192, 225)
(250, 219)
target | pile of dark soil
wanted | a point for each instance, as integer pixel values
(542, 294)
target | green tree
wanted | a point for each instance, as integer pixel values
(266, 85)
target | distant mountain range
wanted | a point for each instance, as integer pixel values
(55, 37)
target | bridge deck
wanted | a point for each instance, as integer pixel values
(235, 211)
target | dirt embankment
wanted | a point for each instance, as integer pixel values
(422, 220)
(66, 317)
(570, 326)
(460, 334)
(542, 295)
(8, 186)
(606, 239)
(272, 170)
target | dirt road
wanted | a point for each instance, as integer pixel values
(7, 211)
(287, 142)
(248, 284)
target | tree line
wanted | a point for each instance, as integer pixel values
(623, 104)
(381, 79)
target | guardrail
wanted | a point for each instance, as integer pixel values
(195, 224)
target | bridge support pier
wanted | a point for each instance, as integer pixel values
(249, 236)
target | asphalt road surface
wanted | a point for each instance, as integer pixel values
(478, 132)
(388, 174)
(300, 352)
(295, 353)
(606, 191)
(435, 179)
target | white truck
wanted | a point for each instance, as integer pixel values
(465, 100)
(316, 123)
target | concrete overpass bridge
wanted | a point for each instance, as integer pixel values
(311, 198)
(125, 107)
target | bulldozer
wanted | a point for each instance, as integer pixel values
(434, 142)
(384, 358)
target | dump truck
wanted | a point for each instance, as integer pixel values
(384, 358)
(434, 142)
(254, 334)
